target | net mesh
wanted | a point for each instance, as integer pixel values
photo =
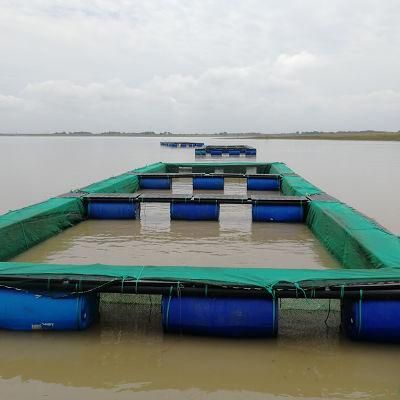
(317, 318)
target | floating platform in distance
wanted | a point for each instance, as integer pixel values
(182, 144)
(231, 150)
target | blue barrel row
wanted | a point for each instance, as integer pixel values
(368, 320)
(209, 183)
(192, 211)
(231, 152)
(182, 144)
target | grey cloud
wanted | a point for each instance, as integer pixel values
(199, 65)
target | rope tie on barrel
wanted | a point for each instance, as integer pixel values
(298, 287)
(168, 304)
(360, 312)
(138, 278)
(271, 291)
(77, 308)
(341, 292)
(273, 310)
(178, 292)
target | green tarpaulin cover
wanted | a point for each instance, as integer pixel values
(260, 277)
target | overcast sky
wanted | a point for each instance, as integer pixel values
(199, 65)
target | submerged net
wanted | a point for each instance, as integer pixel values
(140, 314)
(317, 318)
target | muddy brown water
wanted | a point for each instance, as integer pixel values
(156, 240)
(126, 355)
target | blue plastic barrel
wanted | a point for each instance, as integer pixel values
(372, 320)
(155, 183)
(277, 212)
(208, 183)
(25, 311)
(113, 210)
(216, 152)
(194, 211)
(251, 152)
(262, 183)
(232, 317)
(234, 152)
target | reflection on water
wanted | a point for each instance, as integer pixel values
(155, 240)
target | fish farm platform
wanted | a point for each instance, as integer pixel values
(204, 300)
(231, 150)
(182, 144)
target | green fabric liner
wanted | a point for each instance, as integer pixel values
(291, 183)
(355, 240)
(260, 277)
(298, 186)
(280, 168)
(125, 183)
(22, 229)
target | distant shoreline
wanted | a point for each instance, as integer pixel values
(362, 136)
(395, 137)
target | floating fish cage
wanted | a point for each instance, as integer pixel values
(228, 150)
(221, 301)
(182, 144)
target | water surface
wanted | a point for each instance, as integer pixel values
(363, 174)
(154, 239)
(127, 356)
